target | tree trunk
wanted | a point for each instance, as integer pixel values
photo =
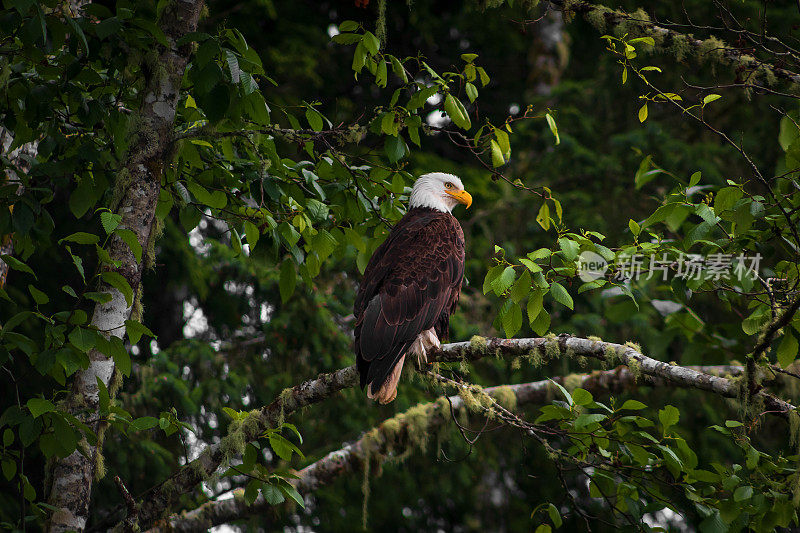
(71, 478)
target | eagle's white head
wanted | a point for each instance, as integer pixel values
(439, 191)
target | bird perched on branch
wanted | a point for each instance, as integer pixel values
(411, 286)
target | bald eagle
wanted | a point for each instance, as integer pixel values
(411, 285)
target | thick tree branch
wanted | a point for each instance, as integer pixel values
(71, 478)
(391, 439)
(711, 49)
(159, 499)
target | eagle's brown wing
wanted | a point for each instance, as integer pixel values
(410, 285)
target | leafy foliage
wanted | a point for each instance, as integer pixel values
(294, 153)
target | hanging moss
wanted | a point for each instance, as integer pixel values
(478, 344)
(283, 397)
(551, 348)
(233, 444)
(610, 354)
(469, 399)
(635, 366)
(711, 49)
(365, 489)
(680, 46)
(794, 428)
(535, 358)
(598, 17)
(99, 465)
(505, 397)
(155, 233)
(380, 23)
(121, 186)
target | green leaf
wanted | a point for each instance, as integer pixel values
(81, 237)
(83, 339)
(455, 110)
(555, 516)
(643, 113)
(788, 133)
(40, 406)
(281, 446)
(251, 490)
(587, 419)
(129, 238)
(398, 69)
(135, 330)
(290, 491)
(143, 423)
(541, 323)
(668, 416)
(236, 242)
(569, 247)
(566, 394)
(116, 280)
(743, 493)
(561, 295)
(395, 148)
(348, 25)
(371, 43)
(252, 232)
(695, 179)
(633, 405)
(534, 305)
(484, 76)
(114, 348)
(9, 467)
(521, 287)
(711, 98)
(543, 217)
(16, 264)
(272, 494)
(82, 198)
(551, 122)
(498, 160)
(110, 221)
(582, 396)
(787, 350)
(38, 296)
(287, 281)
(512, 320)
(472, 91)
(314, 119)
(504, 281)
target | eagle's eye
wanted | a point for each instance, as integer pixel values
(448, 185)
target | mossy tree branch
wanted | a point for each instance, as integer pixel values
(403, 434)
(713, 49)
(160, 498)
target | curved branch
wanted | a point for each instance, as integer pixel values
(711, 48)
(155, 501)
(351, 457)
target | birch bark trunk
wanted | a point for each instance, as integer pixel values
(71, 478)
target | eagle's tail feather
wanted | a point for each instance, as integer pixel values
(388, 391)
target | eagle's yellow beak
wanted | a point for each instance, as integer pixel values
(463, 197)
